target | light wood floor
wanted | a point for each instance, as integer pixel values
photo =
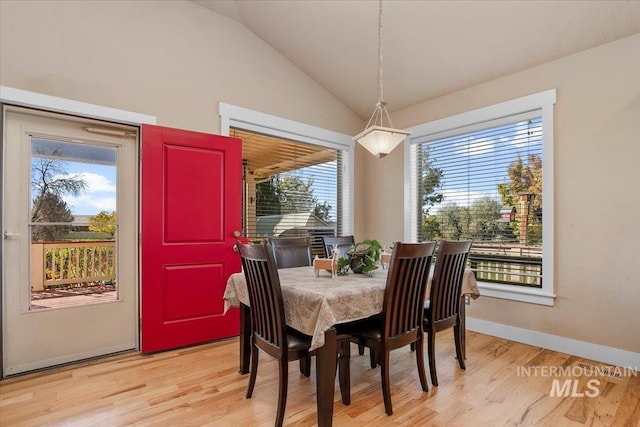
(200, 386)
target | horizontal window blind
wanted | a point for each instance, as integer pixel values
(484, 182)
(291, 188)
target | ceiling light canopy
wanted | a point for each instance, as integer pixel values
(380, 139)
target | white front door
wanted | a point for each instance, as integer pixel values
(70, 238)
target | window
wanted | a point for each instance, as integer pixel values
(298, 179)
(487, 175)
(291, 189)
(73, 222)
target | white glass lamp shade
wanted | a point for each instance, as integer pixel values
(379, 140)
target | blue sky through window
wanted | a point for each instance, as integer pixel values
(101, 188)
(475, 163)
(95, 165)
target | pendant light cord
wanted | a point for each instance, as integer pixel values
(380, 113)
(376, 137)
(380, 57)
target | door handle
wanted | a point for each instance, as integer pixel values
(237, 235)
(9, 235)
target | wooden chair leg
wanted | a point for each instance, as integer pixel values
(463, 325)
(282, 391)
(254, 372)
(305, 366)
(412, 346)
(373, 358)
(457, 336)
(360, 349)
(431, 344)
(420, 362)
(344, 371)
(245, 338)
(386, 389)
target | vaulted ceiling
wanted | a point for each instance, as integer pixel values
(430, 48)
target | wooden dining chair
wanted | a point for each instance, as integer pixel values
(291, 251)
(442, 310)
(400, 323)
(345, 243)
(269, 330)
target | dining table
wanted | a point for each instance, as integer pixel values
(314, 305)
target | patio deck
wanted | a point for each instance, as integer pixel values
(55, 298)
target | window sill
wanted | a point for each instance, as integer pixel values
(516, 293)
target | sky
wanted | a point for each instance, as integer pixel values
(94, 164)
(100, 194)
(474, 164)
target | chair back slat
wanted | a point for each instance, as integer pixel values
(446, 287)
(405, 288)
(265, 296)
(291, 251)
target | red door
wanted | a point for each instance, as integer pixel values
(191, 207)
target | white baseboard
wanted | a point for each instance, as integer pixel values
(596, 352)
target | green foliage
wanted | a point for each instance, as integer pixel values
(365, 256)
(107, 222)
(484, 215)
(430, 227)
(295, 195)
(431, 181)
(480, 220)
(288, 193)
(78, 263)
(454, 221)
(344, 264)
(267, 201)
(431, 193)
(49, 207)
(524, 178)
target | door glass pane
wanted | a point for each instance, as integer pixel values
(73, 223)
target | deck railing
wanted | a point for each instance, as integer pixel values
(70, 263)
(508, 264)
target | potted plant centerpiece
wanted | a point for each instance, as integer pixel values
(362, 258)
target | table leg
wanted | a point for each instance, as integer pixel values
(326, 357)
(245, 339)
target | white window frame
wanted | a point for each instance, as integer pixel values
(23, 98)
(543, 101)
(232, 116)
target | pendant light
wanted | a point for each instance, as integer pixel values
(380, 138)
